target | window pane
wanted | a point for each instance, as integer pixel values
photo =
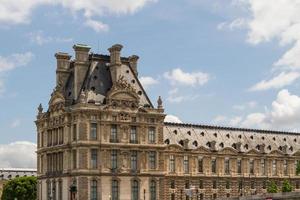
(113, 134)
(93, 131)
(135, 190)
(134, 160)
(172, 163)
(151, 135)
(152, 159)
(94, 158)
(94, 195)
(153, 190)
(114, 159)
(115, 190)
(133, 135)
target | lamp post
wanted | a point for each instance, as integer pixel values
(73, 191)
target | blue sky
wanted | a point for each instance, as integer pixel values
(231, 62)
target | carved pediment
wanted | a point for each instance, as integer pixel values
(276, 153)
(122, 94)
(174, 147)
(56, 98)
(228, 150)
(253, 151)
(297, 153)
(202, 149)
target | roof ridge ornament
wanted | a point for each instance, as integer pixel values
(159, 103)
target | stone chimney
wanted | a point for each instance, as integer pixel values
(133, 63)
(62, 69)
(80, 66)
(115, 61)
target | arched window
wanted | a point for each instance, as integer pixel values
(114, 190)
(153, 190)
(135, 190)
(94, 195)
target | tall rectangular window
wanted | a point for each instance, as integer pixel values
(60, 190)
(94, 193)
(134, 160)
(74, 132)
(186, 164)
(114, 159)
(114, 190)
(151, 135)
(227, 167)
(113, 134)
(74, 159)
(133, 135)
(94, 158)
(274, 167)
(93, 131)
(152, 160)
(239, 166)
(285, 167)
(200, 164)
(172, 163)
(214, 183)
(213, 165)
(251, 167)
(263, 166)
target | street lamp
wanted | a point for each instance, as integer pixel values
(73, 190)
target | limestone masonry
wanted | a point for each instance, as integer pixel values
(102, 139)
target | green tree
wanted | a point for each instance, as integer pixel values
(272, 187)
(298, 167)
(23, 188)
(286, 186)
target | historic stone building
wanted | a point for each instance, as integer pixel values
(102, 139)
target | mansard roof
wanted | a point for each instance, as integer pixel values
(98, 81)
(217, 138)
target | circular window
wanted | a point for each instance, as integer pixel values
(140, 92)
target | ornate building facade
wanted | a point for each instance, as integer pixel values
(102, 139)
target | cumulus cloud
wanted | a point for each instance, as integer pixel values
(38, 37)
(148, 81)
(20, 11)
(173, 119)
(220, 119)
(268, 21)
(283, 79)
(18, 155)
(177, 76)
(8, 63)
(283, 113)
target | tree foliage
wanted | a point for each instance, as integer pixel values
(286, 186)
(22, 188)
(272, 187)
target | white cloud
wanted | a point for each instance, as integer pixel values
(250, 104)
(14, 60)
(235, 24)
(9, 63)
(268, 21)
(283, 79)
(18, 154)
(148, 81)
(40, 38)
(96, 25)
(20, 11)
(16, 123)
(235, 121)
(284, 113)
(177, 76)
(175, 97)
(172, 118)
(220, 119)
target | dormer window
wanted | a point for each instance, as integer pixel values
(195, 143)
(167, 141)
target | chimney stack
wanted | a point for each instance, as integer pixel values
(133, 63)
(115, 61)
(81, 65)
(62, 69)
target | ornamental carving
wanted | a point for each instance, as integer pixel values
(122, 84)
